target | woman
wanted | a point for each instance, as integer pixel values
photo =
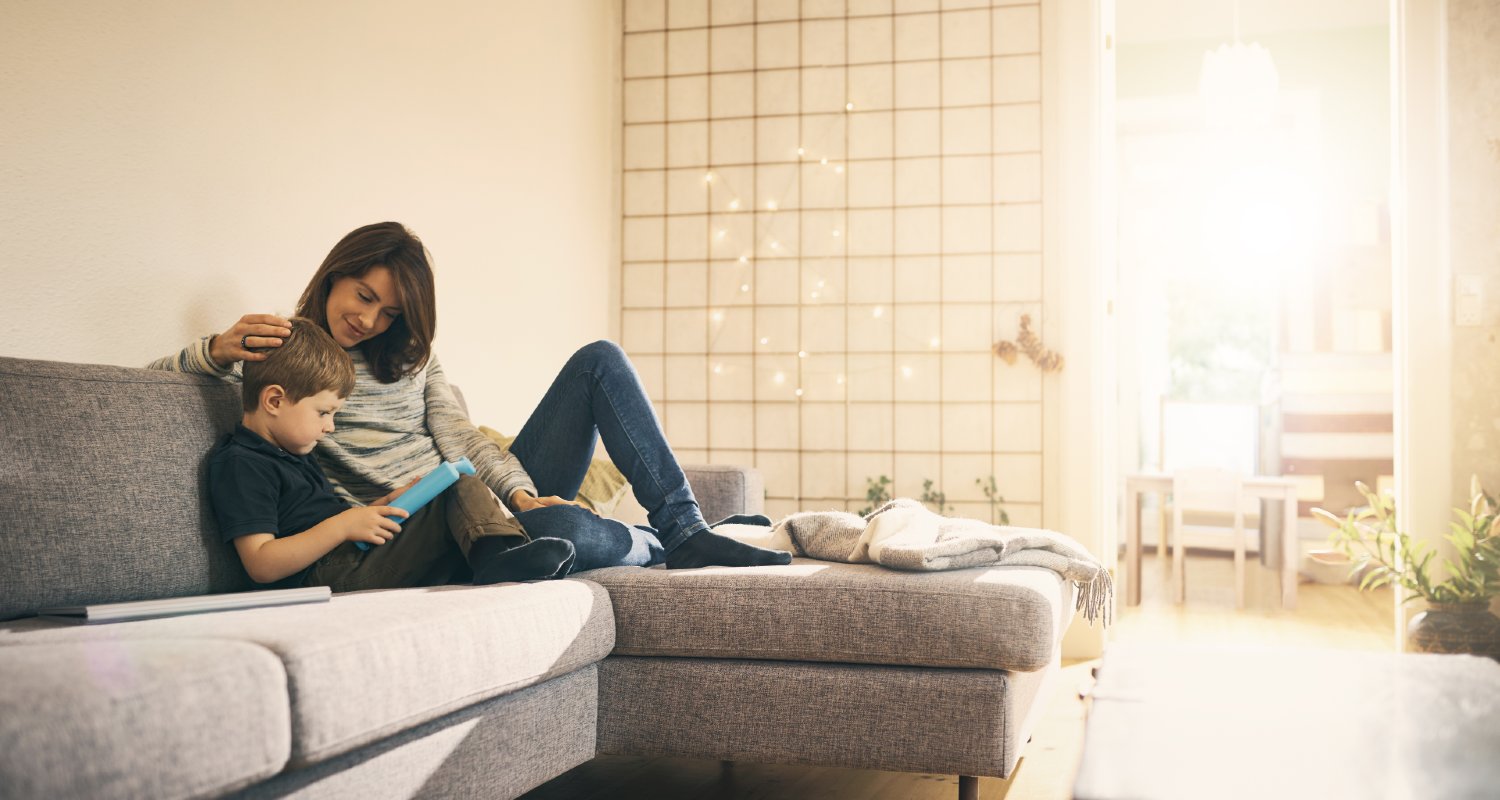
(374, 294)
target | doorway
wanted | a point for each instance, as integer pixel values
(1254, 255)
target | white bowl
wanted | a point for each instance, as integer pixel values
(1329, 567)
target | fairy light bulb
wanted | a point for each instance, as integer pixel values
(802, 354)
(744, 287)
(734, 205)
(722, 233)
(708, 177)
(771, 204)
(877, 312)
(934, 342)
(906, 372)
(765, 340)
(848, 106)
(839, 169)
(779, 378)
(823, 161)
(718, 369)
(744, 259)
(798, 392)
(717, 316)
(801, 151)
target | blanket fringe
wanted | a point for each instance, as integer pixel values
(1096, 599)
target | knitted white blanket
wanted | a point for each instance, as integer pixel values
(904, 534)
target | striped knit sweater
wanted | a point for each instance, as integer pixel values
(388, 433)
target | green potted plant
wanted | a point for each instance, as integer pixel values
(1457, 618)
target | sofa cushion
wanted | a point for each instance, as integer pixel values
(94, 458)
(1007, 618)
(368, 664)
(162, 719)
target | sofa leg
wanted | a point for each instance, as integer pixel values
(968, 787)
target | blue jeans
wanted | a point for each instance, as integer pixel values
(598, 396)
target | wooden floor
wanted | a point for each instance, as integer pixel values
(1326, 616)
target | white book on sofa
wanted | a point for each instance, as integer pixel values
(175, 606)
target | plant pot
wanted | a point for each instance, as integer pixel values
(1455, 628)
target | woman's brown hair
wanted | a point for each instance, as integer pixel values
(404, 347)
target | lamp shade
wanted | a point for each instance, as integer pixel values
(1238, 86)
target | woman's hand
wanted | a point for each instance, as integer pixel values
(252, 331)
(520, 500)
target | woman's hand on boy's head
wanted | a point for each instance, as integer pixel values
(371, 523)
(244, 340)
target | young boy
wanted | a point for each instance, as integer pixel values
(273, 501)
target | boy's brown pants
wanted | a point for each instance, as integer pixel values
(432, 548)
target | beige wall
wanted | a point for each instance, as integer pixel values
(168, 166)
(1474, 193)
(831, 211)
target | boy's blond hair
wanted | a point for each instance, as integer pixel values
(307, 362)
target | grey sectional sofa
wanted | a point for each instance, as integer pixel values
(457, 690)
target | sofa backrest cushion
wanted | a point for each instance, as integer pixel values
(101, 485)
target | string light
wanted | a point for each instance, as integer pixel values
(744, 287)
(744, 259)
(717, 316)
(734, 205)
(802, 354)
(848, 106)
(718, 369)
(721, 233)
(839, 380)
(934, 341)
(801, 152)
(836, 232)
(765, 340)
(771, 204)
(775, 245)
(823, 161)
(839, 169)
(779, 378)
(906, 372)
(708, 178)
(877, 312)
(799, 391)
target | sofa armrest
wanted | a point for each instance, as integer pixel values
(724, 490)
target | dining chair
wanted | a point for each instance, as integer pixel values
(1207, 489)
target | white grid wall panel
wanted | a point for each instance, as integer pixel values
(832, 210)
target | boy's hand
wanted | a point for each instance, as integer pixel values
(390, 498)
(369, 523)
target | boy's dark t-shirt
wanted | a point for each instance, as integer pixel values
(256, 487)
